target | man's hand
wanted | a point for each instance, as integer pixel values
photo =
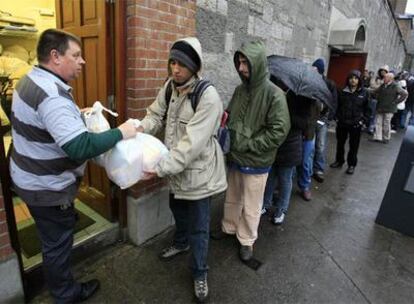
(128, 129)
(149, 175)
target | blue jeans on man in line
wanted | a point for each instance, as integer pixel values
(305, 170)
(373, 107)
(319, 155)
(279, 177)
(192, 221)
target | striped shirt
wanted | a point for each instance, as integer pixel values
(44, 118)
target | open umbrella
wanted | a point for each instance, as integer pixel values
(301, 78)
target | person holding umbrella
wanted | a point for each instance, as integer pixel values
(353, 112)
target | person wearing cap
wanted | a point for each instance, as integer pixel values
(389, 94)
(321, 132)
(194, 165)
(353, 112)
(259, 123)
(375, 83)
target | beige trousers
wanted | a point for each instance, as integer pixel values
(242, 208)
(383, 126)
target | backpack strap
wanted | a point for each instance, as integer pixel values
(195, 95)
(168, 94)
(198, 91)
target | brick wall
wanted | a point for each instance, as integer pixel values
(152, 26)
(5, 248)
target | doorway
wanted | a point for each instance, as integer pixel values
(340, 64)
(99, 24)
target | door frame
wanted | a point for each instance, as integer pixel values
(118, 32)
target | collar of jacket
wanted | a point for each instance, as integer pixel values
(348, 90)
(186, 87)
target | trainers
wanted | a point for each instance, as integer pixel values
(246, 252)
(278, 220)
(264, 211)
(172, 251)
(350, 170)
(306, 195)
(201, 290)
(318, 176)
(393, 131)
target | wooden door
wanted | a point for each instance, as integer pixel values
(90, 20)
(341, 64)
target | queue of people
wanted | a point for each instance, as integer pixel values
(274, 135)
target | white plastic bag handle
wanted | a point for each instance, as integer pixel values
(98, 107)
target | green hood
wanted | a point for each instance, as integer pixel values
(255, 52)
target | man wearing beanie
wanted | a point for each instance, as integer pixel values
(195, 163)
(259, 123)
(321, 132)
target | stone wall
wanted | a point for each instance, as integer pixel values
(291, 28)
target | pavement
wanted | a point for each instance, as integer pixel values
(329, 250)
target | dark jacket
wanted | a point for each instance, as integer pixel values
(311, 109)
(353, 108)
(259, 115)
(326, 113)
(388, 97)
(290, 152)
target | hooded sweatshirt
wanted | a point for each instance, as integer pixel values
(353, 108)
(259, 116)
(195, 163)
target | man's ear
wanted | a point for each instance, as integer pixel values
(54, 56)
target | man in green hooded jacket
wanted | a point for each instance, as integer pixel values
(258, 123)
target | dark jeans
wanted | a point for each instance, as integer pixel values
(342, 133)
(192, 221)
(55, 229)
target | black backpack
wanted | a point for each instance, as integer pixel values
(223, 135)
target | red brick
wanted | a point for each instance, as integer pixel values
(163, 6)
(2, 216)
(4, 239)
(3, 228)
(5, 252)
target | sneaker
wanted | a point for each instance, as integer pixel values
(350, 170)
(278, 220)
(393, 131)
(306, 195)
(201, 290)
(172, 251)
(264, 211)
(246, 252)
(318, 176)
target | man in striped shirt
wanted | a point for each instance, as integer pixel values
(51, 147)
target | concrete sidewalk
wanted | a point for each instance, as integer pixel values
(329, 250)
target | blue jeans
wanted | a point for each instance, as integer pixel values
(192, 221)
(373, 107)
(305, 171)
(319, 158)
(280, 177)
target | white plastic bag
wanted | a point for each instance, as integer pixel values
(123, 164)
(126, 163)
(96, 122)
(153, 150)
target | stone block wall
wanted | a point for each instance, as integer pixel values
(293, 28)
(152, 26)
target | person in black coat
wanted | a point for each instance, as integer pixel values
(352, 113)
(289, 155)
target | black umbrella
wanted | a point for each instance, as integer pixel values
(299, 77)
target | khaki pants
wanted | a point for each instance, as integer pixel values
(242, 208)
(383, 126)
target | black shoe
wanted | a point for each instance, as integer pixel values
(87, 290)
(350, 170)
(246, 252)
(336, 165)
